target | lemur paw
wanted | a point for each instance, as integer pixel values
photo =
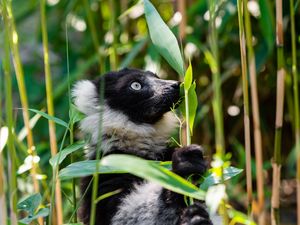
(188, 160)
(195, 214)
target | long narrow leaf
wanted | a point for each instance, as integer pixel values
(83, 169)
(153, 172)
(163, 38)
(48, 117)
(59, 157)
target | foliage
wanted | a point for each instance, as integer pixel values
(123, 41)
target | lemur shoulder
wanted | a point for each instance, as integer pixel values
(136, 120)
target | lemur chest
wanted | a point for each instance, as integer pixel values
(147, 146)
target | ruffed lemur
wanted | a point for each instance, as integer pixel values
(136, 120)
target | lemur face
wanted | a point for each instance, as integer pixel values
(140, 95)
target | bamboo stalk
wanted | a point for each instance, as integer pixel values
(296, 102)
(13, 41)
(50, 108)
(256, 118)
(94, 34)
(217, 98)
(182, 25)
(12, 179)
(246, 105)
(279, 115)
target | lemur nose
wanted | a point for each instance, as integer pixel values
(176, 85)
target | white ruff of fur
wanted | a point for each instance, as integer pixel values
(145, 139)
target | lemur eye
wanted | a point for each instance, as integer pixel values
(136, 86)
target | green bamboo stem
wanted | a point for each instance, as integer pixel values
(217, 98)
(246, 105)
(279, 115)
(256, 118)
(12, 179)
(94, 34)
(13, 41)
(296, 102)
(50, 108)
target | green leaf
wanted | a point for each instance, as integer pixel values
(75, 114)
(193, 104)
(153, 172)
(30, 204)
(60, 156)
(212, 179)
(41, 213)
(266, 23)
(163, 38)
(52, 118)
(85, 168)
(188, 78)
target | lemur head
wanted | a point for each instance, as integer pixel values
(136, 106)
(140, 95)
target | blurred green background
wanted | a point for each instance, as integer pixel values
(121, 31)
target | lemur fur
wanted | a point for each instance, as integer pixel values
(136, 120)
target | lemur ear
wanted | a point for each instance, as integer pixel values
(85, 97)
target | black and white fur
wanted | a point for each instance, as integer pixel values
(136, 120)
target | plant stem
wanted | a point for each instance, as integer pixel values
(13, 41)
(217, 98)
(246, 105)
(50, 107)
(95, 39)
(187, 116)
(71, 126)
(256, 118)
(296, 102)
(12, 179)
(279, 115)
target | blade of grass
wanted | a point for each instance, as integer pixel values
(279, 115)
(256, 117)
(13, 42)
(296, 102)
(12, 172)
(50, 107)
(246, 105)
